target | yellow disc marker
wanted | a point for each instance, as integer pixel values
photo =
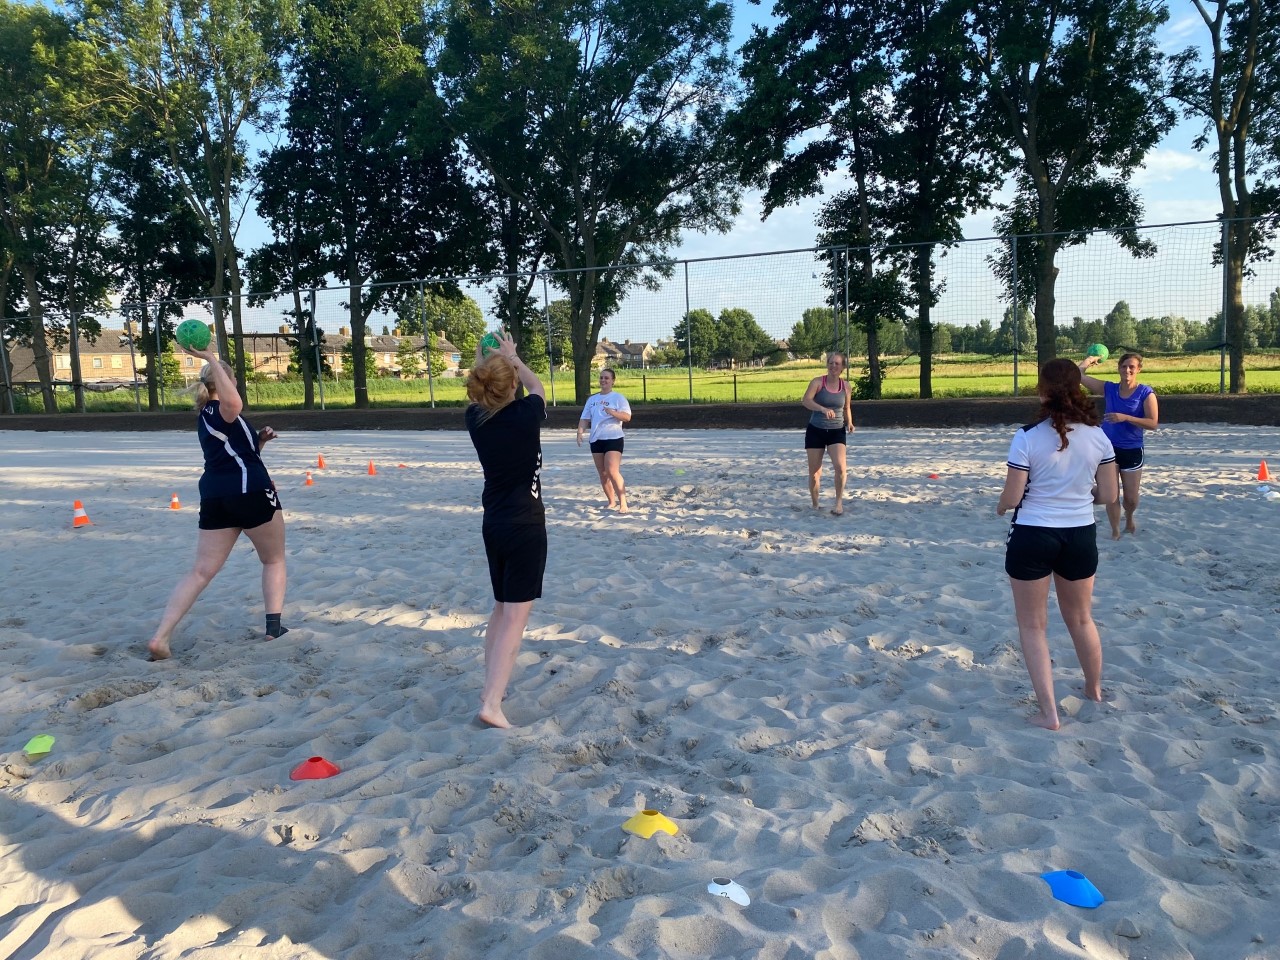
(648, 822)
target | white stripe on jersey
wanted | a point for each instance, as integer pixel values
(226, 445)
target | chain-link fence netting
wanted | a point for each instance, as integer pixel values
(746, 328)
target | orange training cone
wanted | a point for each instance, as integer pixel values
(1263, 473)
(310, 482)
(373, 471)
(173, 502)
(79, 518)
(320, 462)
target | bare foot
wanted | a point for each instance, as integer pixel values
(1041, 719)
(1093, 693)
(813, 497)
(494, 717)
(159, 649)
(611, 505)
(1129, 526)
(622, 505)
(1115, 533)
(838, 512)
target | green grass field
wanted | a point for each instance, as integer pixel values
(953, 376)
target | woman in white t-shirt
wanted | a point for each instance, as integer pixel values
(604, 415)
(1058, 468)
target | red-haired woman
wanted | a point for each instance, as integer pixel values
(1058, 468)
(505, 433)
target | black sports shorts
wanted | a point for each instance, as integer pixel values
(1128, 459)
(517, 559)
(1032, 553)
(815, 438)
(242, 511)
(607, 446)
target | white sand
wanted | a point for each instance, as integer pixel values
(832, 710)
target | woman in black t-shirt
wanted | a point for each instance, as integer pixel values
(505, 432)
(236, 494)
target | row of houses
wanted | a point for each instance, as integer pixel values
(109, 360)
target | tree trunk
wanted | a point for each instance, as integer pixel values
(924, 297)
(306, 353)
(582, 324)
(1237, 233)
(359, 380)
(39, 343)
(1046, 281)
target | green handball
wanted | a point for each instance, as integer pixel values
(192, 334)
(490, 344)
(1100, 351)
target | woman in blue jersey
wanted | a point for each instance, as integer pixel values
(505, 432)
(603, 416)
(1058, 468)
(1131, 410)
(827, 398)
(236, 494)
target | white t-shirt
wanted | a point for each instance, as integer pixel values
(1058, 481)
(603, 425)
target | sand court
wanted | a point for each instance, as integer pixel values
(830, 709)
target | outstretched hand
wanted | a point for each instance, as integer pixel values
(265, 434)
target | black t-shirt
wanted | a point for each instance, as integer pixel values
(510, 453)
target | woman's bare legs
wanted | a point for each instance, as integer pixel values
(1129, 482)
(613, 470)
(212, 549)
(1031, 606)
(501, 647)
(838, 470)
(268, 540)
(1075, 601)
(815, 474)
(606, 482)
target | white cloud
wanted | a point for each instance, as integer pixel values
(1163, 165)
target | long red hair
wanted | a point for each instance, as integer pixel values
(1063, 400)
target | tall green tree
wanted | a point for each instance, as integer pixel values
(740, 339)
(1237, 96)
(53, 127)
(813, 334)
(697, 337)
(1119, 328)
(615, 138)
(819, 99)
(205, 73)
(162, 255)
(1076, 90)
(374, 184)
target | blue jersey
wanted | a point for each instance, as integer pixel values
(1125, 436)
(231, 455)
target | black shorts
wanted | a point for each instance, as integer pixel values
(1032, 553)
(607, 446)
(815, 438)
(517, 559)
(242, 511)
(1129, 459)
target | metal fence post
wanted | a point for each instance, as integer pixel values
(1015, 318)
(5, 362)
(848, 332)
(159, 364)
(1226, 298)
(688, 331)
(428, 343)
(551, 350)
(315, 344)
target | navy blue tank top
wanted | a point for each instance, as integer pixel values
(231, 461)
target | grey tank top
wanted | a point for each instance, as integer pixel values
(832, 401)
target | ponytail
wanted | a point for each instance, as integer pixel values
(1063, 400)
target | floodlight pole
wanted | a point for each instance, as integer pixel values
(133, 365)
(159, 364)
(5, 362)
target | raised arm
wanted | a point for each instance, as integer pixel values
(528, 379)
(1092, 384)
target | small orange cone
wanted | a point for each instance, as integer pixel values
(402, 466)
(1263, 473)
(320, 462)
(173, 502)
(310, 482)
(933, 476)
(373, 471)
(79, 518)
